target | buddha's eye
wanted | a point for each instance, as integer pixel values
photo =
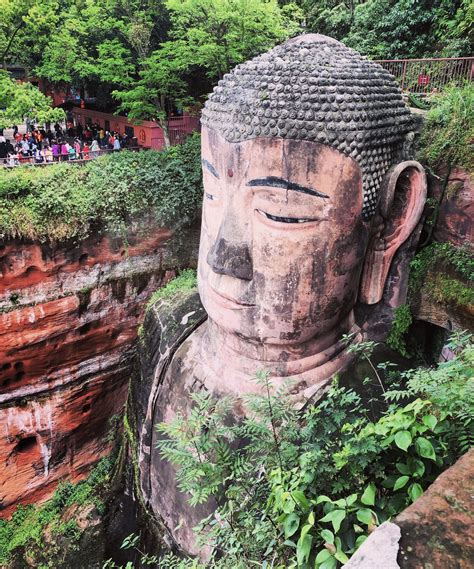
(285, 219)
(210, 197)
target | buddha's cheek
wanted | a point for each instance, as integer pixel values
(284, 284)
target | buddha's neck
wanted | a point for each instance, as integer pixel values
(229, 355)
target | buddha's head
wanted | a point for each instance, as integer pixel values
(306, 196)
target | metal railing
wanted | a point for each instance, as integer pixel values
(429, 75)
(83, 158)
(180, 128)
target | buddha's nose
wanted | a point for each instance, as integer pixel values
(230, 258)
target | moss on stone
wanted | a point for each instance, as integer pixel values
(184, 283)
(32, 530)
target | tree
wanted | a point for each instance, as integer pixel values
(207, 37)
(215, 35)
(25, 29)
(23, 100)
(396, 28)
(159, 81)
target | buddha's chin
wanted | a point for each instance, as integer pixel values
(242, 323)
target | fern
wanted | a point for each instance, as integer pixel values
(277, 470)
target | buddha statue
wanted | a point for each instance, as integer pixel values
(309, 192)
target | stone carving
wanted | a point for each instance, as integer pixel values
(309, 194)
(315, 88)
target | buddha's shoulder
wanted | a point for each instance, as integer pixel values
(170, 319)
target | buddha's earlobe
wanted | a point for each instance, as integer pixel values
(403, 196)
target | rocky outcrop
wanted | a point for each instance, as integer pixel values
(68, 321)
(437, 528)
(455, 225)
(456, 208)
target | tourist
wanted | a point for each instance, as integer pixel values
(3, 152)
(95, 149)
(77, 148)
(71, 151)
(64, 151)
(86, 151)
(102, 138)
(13, 158)
(56, 151)
(25, 147)
(48, 154)
(116, 145)
(38, 155)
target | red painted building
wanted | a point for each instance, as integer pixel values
(148, 133)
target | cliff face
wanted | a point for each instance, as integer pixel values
(68, 322)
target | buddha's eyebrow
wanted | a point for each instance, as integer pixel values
(275, 182)
(210, 167)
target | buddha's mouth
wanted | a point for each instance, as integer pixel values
(228, 302)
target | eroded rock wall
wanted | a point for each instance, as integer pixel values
(68, 322)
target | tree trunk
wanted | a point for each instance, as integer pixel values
(7, 49)
(163, 122)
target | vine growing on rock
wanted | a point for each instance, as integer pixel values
(68, 201)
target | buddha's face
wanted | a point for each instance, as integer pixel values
(283, 240)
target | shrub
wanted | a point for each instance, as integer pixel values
(66, 201)
(26, 528)
(448, 134)
(443, 288)
(305, 489)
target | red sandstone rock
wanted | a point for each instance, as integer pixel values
(457, 209)
(437, 528)
(68, 321)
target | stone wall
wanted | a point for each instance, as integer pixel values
(68, 322)
(454, 225)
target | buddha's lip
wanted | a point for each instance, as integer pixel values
(229, 302)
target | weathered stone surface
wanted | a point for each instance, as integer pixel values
(448, 315)
(456, 215)
(437, 528)
(68, 323)
(379, 550)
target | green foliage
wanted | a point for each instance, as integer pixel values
(19, 101)
(416, 101)
(215, 35)
(441, 287)
(186, 281)
(25, 530)
(207, 37)
(401, 322)
(392, 29)
(66, 201)
(450, 387)
(305, 489)
(448, 132)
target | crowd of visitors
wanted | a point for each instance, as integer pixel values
(39, 146)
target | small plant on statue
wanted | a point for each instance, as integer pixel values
(305, 489)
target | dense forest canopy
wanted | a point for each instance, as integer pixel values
(144, 55)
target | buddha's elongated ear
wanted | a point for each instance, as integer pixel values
(403, 196)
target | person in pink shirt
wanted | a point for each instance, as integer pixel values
(64, 151)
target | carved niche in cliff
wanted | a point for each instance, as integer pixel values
(310, 192)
